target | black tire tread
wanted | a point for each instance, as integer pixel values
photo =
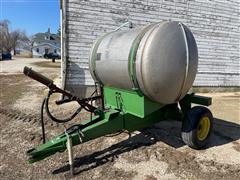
(189, 127)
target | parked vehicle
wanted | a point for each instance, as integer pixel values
(52, 56)
(6, 56)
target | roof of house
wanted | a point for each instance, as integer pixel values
(42, 37)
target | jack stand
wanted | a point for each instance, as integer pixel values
(70, 154)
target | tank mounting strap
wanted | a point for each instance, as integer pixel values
(187, 63)
(133, 54)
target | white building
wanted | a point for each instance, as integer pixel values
(214, 23)
(44, 43)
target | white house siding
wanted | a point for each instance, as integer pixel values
(41, 49)
(214, 23)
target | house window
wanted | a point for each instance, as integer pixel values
(37, 50)
(55, 51)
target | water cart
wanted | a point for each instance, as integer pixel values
(142, 76)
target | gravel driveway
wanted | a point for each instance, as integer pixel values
(17, 64)
(153, 153)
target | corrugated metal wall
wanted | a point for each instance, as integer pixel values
(215, 24)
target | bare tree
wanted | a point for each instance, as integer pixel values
(5, 35)
(10, 40)
(16, 37)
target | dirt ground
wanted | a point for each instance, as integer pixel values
(156, 152)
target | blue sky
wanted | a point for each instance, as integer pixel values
(33, 16)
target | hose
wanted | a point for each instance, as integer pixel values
(46, 104)
(56, 119)
(42, 121)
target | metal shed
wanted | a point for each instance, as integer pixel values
(214, 23)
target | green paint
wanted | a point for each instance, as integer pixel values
(132, 58)
(125, 110)
(129, 102)
(110, 123)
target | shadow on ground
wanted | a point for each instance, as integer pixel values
(169, 132)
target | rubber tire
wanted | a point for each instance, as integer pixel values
(190, 125)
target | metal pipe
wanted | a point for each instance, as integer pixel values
(123, 25)
(70, 154)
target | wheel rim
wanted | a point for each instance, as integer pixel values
(203, 128)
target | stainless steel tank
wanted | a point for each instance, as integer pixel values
(160, 60)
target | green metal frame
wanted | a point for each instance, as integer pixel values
(129, 102)
(125, 110)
